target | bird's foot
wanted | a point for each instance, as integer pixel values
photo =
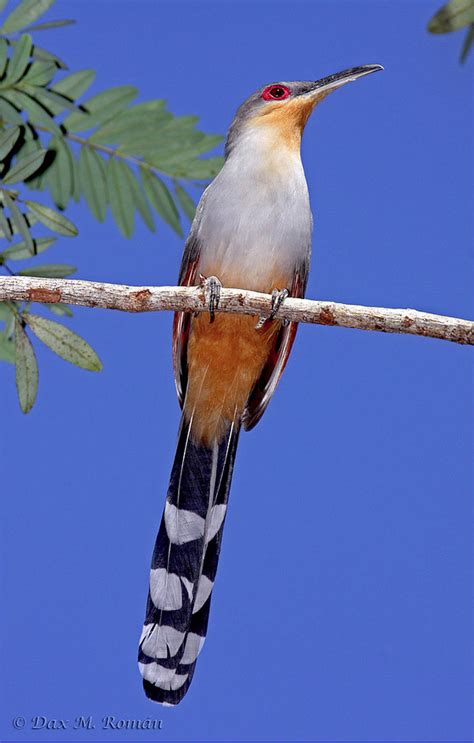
(212, 293)
(278, 297)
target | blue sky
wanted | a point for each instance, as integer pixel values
(342, 605)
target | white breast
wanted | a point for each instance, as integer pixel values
(255, 223)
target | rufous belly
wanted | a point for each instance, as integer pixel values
(225, 359)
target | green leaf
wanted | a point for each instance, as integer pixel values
(201, 145)
(183, 125)
(173, 152)
(51, 24)
(138, 198)
(19, 60)
(49, 271)
(468, 41)
(25, 167)
(120, 196)
(60, 175)
(200, 170)
(161, 199)
(452, 16)
(66, 344)
(5, 312)
(175, 137)
(26, 369)
(187, 204)
(40, 73)
(19, 221)
(8, 139)
(20, 250)
(93, 182)
(74, 85)
(142, 205)
(182, 129)
(9, 113)
(10, 321)
(125, 125)
(50, 218)
(5, 229)
(11, 228)
(7, 349)
(39, 53)
(3, 55)
(62, 310)
(76, 188)
(49, 98)
(25, 13)
(101, 107)
(33, 145)
(37, 114)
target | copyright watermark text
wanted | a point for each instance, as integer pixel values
(82, 722)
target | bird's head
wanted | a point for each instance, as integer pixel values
(279, 111)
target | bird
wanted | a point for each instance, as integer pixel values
(252, 230)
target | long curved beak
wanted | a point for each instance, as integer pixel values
(326, 84)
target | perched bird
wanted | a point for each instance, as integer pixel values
(252, 230)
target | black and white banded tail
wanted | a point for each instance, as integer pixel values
(184, 564)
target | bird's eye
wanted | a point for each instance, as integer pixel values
(275, 93)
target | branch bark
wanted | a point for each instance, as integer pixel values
(154, 298)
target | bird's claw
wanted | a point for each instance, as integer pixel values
(278, 297)
(212, 294)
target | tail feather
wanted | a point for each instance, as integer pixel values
(184, 564)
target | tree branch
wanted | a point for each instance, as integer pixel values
(152, 299)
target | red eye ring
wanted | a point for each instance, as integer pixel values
(275, 93)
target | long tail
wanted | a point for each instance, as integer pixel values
(184, 564)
